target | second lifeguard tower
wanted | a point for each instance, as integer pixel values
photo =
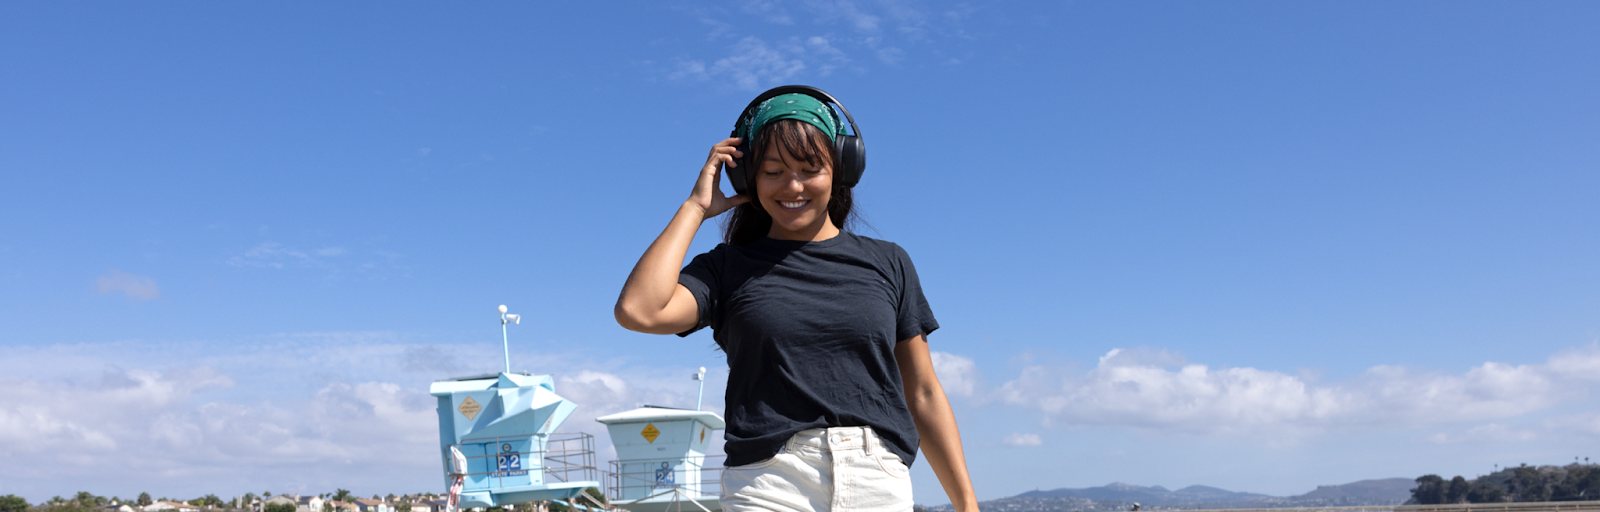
(661, 462)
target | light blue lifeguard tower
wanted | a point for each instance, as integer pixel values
(661, 464)
(504, 426)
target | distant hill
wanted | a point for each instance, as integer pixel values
(1118, 497)
(1370, 492)
(1156, 495)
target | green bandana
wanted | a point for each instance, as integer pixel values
(793, 106)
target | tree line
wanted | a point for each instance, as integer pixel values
(1572, 482)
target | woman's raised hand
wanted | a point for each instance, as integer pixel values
(707, 193)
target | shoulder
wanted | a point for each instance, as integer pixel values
(710, 261)
(869, 244)
(719, 252)
(887, 256)
(889, 251)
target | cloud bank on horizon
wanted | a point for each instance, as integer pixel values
(352, 409)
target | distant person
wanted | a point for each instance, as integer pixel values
(831, 389)
(1135, 508)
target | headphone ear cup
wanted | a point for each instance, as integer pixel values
(852, 159)
(736, 174)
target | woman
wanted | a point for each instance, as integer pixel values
(831, 389)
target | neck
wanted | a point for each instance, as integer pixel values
(813, 233)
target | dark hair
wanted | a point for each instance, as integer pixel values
(749, 222)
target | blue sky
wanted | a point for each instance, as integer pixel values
(1262, 246)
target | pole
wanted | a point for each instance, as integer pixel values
(700, 376)
(507, 340)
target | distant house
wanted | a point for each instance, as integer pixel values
(168, 506)
(117, 507)
(430, 506)
(365, 505)
(342, 506)
(308, 504)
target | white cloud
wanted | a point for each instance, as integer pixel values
(138, 287)
(1493, 432)
(1586, 424)
(768, 11)
(66, 418)
(301, 412)
(754, 64)
(958, 375)
(1158, 390)
(371, 263)
(275, 255)
(779, 42)
(852, 15)
(1023, 440)
(751, 65)
(1578, 364)
(891, 55)
(831, 58)
(272, 255)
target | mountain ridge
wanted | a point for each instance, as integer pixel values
(1119, 497)
(1155, 495)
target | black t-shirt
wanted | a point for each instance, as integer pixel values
(809, 329)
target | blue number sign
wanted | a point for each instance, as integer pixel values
(509, 461)
(665, 476)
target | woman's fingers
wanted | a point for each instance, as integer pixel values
(706, 191)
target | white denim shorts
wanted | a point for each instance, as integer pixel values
(840, 469)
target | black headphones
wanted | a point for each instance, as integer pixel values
(849, 152)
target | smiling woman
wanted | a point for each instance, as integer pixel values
(795, 179)
(831, 386)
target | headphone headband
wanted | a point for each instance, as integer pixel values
(797, 89)
(849, 151)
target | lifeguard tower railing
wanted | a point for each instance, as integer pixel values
(561, 457)
(653, 479)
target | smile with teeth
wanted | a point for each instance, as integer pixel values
(794, 205)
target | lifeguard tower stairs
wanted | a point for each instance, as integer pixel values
(504, 424)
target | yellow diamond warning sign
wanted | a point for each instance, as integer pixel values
(470, 408)
(650, 432)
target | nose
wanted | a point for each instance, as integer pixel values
(794, 183)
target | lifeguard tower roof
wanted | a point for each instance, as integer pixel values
(653, 413)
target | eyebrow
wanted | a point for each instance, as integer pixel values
(777, 156)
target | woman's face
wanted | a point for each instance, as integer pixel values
(796, 195)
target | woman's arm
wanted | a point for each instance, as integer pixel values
(936, 423)
(652, 301)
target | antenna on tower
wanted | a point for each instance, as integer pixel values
(504, 319)
(700, 376)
